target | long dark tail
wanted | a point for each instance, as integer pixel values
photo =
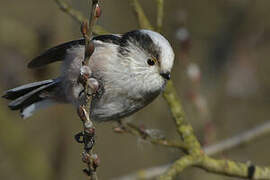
(30, 97)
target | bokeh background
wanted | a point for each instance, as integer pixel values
(221, 73)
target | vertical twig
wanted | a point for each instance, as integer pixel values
(88, 134)
(78, 16)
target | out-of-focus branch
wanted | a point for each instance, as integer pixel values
(149, 173)
(194, 76)
(239, 139)
(78, 16)
(160, 14)
(142, 19)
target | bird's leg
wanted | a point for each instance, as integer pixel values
(120, 128)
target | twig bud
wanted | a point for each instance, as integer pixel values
(94, 85)
(98, 11)
(90, 49)
(84, 28)
(82, 114)
(96, 160)
(88, 124)
(85, 157)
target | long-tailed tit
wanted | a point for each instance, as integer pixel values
(130, 71)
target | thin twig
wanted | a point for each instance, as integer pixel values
(222, 146)
(143, 134)
(78, 16)
(88, 135)
(239, 139)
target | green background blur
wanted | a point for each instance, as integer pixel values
(230, 42)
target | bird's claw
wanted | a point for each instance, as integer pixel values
(120, 128)
(87, 138)
(79, 137)
(86, 79)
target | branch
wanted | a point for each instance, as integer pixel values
(235, 169)
(160, 14)
(78, 16)
(147, 136)
(239, 139)
(225, 145)
(90, 87)
(178, 166)
(142, 19)
(183, 128)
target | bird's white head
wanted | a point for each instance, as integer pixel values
(150, 56)
(166, 54)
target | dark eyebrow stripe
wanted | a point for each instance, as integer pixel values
(143, 40)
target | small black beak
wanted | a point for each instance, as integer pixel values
(166, 75)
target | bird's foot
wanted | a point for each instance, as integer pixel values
(89, 83)
(120, 127)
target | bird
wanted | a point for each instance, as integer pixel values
(130, 71)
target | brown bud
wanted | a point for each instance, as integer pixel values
(98, 11)
(84, 28)
(90, 50)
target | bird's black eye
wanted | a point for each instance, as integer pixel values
(151, 62)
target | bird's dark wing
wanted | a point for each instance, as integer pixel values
(54, 54)
(57, 53)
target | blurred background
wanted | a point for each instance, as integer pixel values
(221, 73)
